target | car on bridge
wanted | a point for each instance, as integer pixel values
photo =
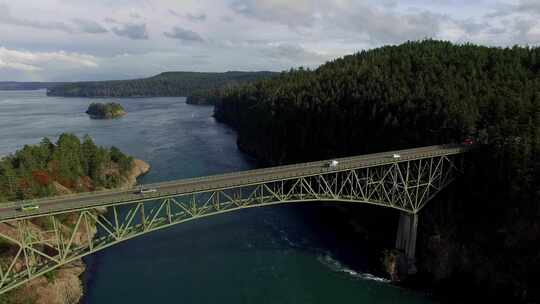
(144, 191)
(28, 207)
(333, 164)
(396, 156)
(468, 141)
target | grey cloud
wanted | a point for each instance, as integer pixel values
(132, 31)
(379, 23)
(174, 13)
(227, 19)
(196, 18)
(522, 28)
(293, 53)
(529, 6)
(191, 17)
(496, 31)
(473, 27)
(7, 18)
(135, 16)
(291, 13)
(184, 35)
(89, 26)
(384, 27)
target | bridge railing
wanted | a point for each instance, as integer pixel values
(345, 164)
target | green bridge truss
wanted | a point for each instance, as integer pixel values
(38, 244)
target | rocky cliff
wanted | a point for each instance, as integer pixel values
(63, 285)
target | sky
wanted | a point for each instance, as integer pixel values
(72, 40)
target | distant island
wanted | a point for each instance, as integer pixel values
(28, 86)
(199, 87)
(181, 84)
(110, 110)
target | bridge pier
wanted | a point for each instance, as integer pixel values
(406, 240)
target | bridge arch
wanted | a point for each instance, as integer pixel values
(42, 242)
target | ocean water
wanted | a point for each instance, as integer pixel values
(280, 254)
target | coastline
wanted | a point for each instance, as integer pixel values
(64, 285)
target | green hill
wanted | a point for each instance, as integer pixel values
(482, 235)
(164, 84)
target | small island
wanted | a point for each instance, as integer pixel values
(110, 110)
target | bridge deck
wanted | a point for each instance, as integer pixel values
(228, 180)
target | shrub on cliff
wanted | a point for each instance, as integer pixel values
(32, 171)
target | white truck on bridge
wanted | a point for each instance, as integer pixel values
(143, 191)
(333, 164)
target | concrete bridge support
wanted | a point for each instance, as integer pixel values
(406, 239)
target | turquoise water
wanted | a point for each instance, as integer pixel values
(285, 254)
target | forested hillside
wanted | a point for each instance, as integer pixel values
(483, 234)
(164, 84)
(40, 170)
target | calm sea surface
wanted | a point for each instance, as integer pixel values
(262, 255)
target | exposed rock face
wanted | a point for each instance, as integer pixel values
(139, 168)
(61, 189)
(65, 286)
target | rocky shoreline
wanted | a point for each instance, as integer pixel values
(65, 286)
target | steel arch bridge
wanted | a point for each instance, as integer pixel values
(67, 228)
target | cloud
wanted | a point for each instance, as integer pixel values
(174, 13)
(183, 34)
(227, 19)
(292, 53)
(37, 61)
(89, 26)
(191, 17)
(18, 66)
(196, 17)
(7, 18)
(292, 13)
(236, 34)
(528, 6)
(110, 20)
(383, 27)
(132, 31)
(380, 24)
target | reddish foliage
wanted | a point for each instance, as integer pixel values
(67, 183)
(23, 184)
(53, 168)
(87, 183)
(42, 177)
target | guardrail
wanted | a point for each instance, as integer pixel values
(345, 164)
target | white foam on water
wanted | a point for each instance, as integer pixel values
(338, 267)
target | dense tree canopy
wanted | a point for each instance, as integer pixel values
(164, 84)
(80, 166)
(422, 93)
(105, 110)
